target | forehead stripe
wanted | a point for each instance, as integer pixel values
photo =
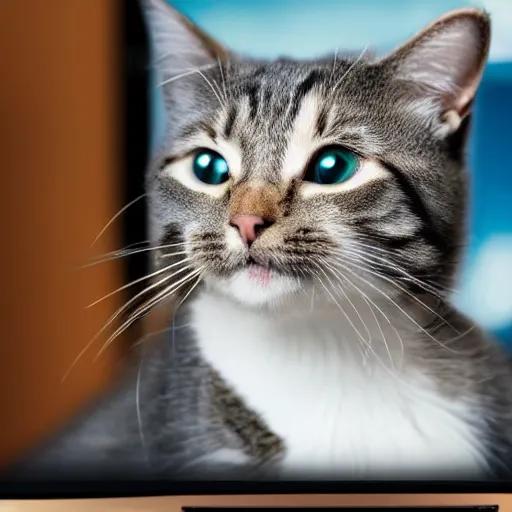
(252, 92)
(314, 77)
(230, 121)
(321, 123)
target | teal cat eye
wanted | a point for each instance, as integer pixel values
(209, 167)
(332, 165)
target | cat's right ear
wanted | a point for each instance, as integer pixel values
(444, 63)
(182, 52)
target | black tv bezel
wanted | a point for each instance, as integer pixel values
(132, 489)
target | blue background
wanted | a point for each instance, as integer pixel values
(305, 28)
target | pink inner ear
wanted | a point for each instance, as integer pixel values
(447, 58)
(464, 100)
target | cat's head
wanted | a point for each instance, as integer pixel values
(337, 173)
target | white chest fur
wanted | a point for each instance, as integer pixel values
(335, 413)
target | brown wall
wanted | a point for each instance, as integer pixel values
(59, 186)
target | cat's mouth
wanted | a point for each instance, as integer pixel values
(258, 279)
(263, 268)
(259, 269)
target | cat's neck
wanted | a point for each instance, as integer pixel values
(302, 335)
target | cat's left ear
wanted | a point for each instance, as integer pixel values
(182, 53)
(445, 62)
(176, 40)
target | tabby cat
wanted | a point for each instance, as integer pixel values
(309, 215)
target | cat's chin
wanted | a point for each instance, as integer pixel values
(257, 287)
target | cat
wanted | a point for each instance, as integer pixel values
(310, 216)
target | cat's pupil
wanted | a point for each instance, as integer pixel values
(210, 168)
(335, 166)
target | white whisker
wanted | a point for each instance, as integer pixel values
(371, 303)
(141, 312)
(179, 305)
(312, 307)
(351, 303)
(137, 407)
(223, 81)
(141, 340)
(134, 299)
(337, 303)
(407, 292)
(123, 209)
(333, 69)
(129, 252)
(352, 66)
(391, 259)
(386, 263)
(392, 373)
(111, 319)
(223, 105)
(139, 280)
(184, 74)
(394, 303)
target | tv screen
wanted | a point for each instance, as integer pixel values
(316, 240)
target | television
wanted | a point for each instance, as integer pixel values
(298, 288)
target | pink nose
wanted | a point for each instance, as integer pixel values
(247, 226)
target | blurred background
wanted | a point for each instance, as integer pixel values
(80, 114)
